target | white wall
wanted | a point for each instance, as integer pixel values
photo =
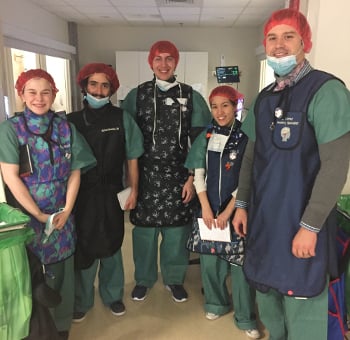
(24, 16)
(237, 45)
(329, 21)
(28, 24)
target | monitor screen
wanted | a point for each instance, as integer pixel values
(227, 74)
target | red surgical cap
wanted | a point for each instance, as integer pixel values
(292, 18)
(90, 69)
(227, 92)
(163, 46)
(30, 74)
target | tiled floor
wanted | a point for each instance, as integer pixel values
(157, 317)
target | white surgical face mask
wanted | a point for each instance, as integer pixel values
(165, 85)
(96, 103)
(282, 66)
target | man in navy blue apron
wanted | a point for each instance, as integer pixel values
(293, 171)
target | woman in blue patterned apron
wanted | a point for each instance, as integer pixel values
(57, 154)
(216, 156)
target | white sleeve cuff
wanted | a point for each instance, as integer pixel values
(199, 180)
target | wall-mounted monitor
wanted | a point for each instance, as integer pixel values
(227, 74)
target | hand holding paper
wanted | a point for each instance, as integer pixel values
(123, 196)
(214, 234)
(50, 227)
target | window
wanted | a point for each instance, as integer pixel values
(18, 61)
(266, 74)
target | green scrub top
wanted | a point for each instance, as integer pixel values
(328, 113)
(133, 137)
(200, 114)
(82, 157)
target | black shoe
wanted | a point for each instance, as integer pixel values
(78, 316)
(139, 293)
(64, 335)
(178, 291)
(118, 308)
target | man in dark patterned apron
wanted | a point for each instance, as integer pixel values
(169, 114)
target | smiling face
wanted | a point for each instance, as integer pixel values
(223, 110)
(98, 85)
(283, 40)
(163, 66)
(38, 95)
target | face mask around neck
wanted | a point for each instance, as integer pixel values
(96, 103)
(165, 85)
(282, 66)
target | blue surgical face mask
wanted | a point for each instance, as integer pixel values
(96, 103)
(282, 66)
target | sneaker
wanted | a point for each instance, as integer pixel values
(139, 293)
(78, 316)
(211, 316)
(253, 333)
(118, 308)
(178, 291)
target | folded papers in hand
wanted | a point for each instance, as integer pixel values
(50, 227)
(214, 234)
(123, 196)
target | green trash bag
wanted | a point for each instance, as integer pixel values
(343, 206)
(15, 282)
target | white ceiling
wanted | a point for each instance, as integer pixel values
(195, 13)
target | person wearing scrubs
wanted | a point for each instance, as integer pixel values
(117, 143)
(56, 154)
(293, 170)
(170, 115)
(216, 156)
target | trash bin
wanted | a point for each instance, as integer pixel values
(343, 206)
(15, 283)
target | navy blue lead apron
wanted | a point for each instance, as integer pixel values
(286, 163)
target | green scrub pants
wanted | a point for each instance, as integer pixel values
(288, 318)
(110, 282)
(174, 256)
(214, 272)
(61, 278)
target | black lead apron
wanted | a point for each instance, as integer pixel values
(99, 218)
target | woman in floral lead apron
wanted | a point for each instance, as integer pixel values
(57, 154)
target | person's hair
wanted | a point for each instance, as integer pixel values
(163, 46)
(89, 69)
(293, 18)
(227, 92)
(34, 73)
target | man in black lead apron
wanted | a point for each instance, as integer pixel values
(115, 139)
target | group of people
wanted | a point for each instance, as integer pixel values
(275, 179)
